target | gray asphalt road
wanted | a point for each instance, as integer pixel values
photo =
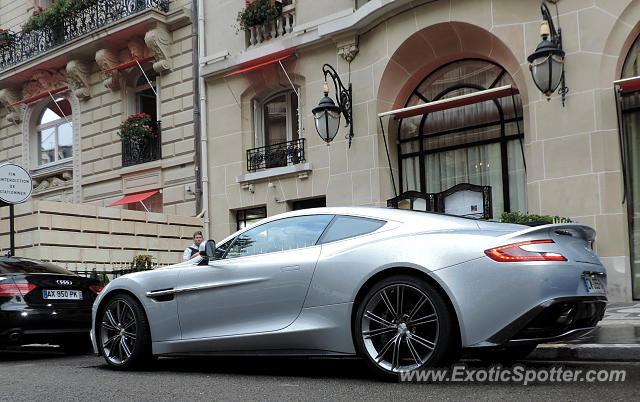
(40, 374)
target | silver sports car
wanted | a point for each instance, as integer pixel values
(403, 289)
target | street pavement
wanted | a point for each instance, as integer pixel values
(43, 373)
(616, 338)
(49, 375)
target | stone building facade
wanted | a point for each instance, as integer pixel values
(64, 93)
(539, 156)
(85, 69)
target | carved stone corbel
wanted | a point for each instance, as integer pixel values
(137, 48)
(158, 39)
(106, 59)
(348, 52)
(78, 78)
(348, 47)
(32, 88)
(10, 96)
(44, 78)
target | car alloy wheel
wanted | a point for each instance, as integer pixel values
(124, 335)
(404, 324)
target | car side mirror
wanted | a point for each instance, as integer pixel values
(207, 249)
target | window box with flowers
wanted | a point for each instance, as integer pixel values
(141, 141)
(263, 20)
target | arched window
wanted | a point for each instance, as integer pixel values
(55, 133)
(629, 105)
(276, 123)
(479, 143)
(276, 118)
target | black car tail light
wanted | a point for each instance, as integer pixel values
(517, 253)
(16, 289)
(96, 288)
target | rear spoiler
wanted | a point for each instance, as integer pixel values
(569, 229)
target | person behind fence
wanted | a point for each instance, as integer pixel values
(193, 250)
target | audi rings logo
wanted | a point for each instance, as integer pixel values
(63, 282)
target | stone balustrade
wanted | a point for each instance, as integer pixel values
(281, 26)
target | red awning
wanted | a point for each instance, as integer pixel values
(38, 96)
(450, 103)
(263, 61)
(131, 198)
(628, 84)
(129, 64)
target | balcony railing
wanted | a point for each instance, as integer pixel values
(147, 150)
(281, 26)
(277, 155)
(28, 45)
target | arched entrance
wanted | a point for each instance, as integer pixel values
(440, 149)
(629, 105)
(478, 143)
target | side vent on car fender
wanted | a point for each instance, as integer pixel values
(161, 295)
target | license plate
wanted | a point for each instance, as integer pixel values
(62, 294)
(594, 284)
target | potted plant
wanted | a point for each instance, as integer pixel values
(141, 262)
(257, 12)
(48, 19)
(136, 128)
(53, 17)
(7, 38)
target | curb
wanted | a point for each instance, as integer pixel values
(588, 351)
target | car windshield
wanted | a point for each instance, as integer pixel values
(10, 265)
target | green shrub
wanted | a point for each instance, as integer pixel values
(517, 217)
(141, 263)
(6, 38)
(54, 16)
(255, 12)
(102, 277)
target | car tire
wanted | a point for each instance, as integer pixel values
(123, 334)
(403, 323)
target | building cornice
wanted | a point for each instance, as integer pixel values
(333, 27)
(85, 46)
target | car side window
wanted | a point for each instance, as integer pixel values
(283, 234)
(221, 249)
(344, 227)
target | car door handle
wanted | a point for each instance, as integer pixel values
(290, 268)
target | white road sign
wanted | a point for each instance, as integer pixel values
(15, 184)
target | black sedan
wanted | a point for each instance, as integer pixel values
(43, 303)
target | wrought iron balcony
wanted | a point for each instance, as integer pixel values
(147, 150)
(28, 45)
(276, 155)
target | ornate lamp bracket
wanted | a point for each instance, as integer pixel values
(344, 98)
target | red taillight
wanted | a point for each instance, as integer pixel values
(16, 289)
(515, 253)
(96, 288)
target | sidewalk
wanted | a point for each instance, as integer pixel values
(616, 338)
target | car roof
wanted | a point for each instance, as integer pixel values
(387, 214)
(400, 215)
(16, 265)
